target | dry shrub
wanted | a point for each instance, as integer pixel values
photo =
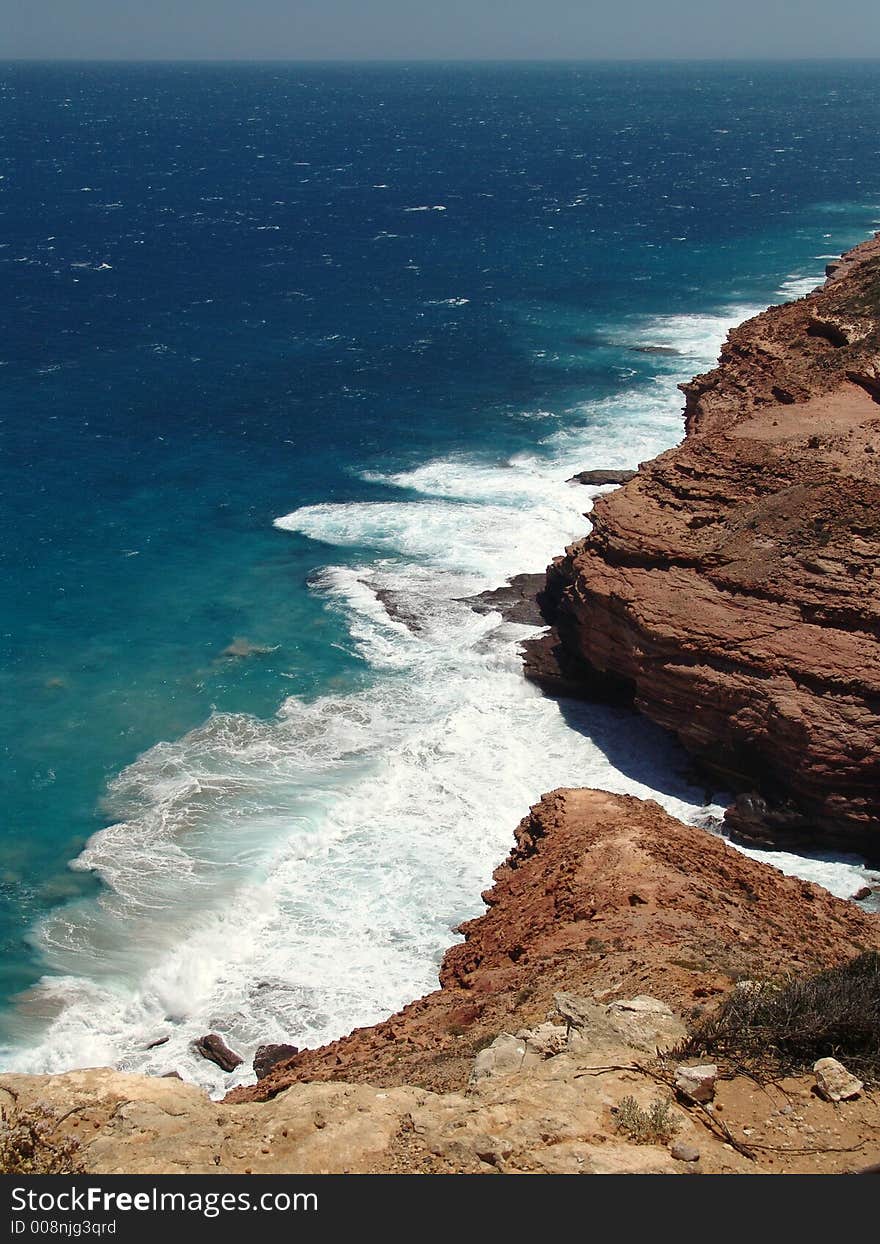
(30, 1145)
(655, 1126)
(784, 1027)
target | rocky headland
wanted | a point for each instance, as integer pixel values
(603, 894)
(610, 929)
(729, 590)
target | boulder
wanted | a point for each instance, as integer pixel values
(268, 1056)
(546, 1040)
(215, 1049)
(646, 1023)
(696, 1083)
(642, 1022)
(834, 1082)
(506, 1056)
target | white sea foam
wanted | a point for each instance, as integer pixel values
(843, 875)
(798, 284)
(293, 878)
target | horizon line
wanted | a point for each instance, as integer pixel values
(440, 60)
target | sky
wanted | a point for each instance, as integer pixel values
(438, 29)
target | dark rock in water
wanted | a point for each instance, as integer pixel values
(517, 601)
(756, 821)
(656, 350)
(596, 478)
(215, 1049)
(863, 893)
(269, 1056)
(395, 605)
(714, 824)
(171, 1075)
(545, 662)
(154, 1045)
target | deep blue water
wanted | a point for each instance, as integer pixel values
(231, 292)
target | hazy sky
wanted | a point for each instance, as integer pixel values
(404, 29)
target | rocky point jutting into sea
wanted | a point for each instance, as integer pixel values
(610, 928)
(729, 590)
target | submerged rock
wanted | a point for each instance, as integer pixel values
(240, 649)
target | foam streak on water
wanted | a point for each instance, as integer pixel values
(286, 880)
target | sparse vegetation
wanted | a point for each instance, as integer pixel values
(30, 1144)
(691, 965)
(784, 1026)
(655, 1126)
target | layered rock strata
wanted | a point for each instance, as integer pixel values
(731, 590)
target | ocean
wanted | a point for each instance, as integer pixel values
(295, 358)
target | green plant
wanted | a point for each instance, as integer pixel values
(655, 1126)
(30, 1145)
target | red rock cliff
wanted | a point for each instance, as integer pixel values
(732, 589)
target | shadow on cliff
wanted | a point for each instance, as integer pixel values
(652, 757)
(638, 749)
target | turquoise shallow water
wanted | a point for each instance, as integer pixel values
(393, 308)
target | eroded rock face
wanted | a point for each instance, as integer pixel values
(731, 591)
